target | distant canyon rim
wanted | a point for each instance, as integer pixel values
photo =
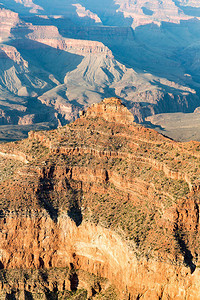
(57, 59)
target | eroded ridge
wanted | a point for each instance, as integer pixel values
(94, 189)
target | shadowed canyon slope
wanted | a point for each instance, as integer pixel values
(102, 208)
(58, 59)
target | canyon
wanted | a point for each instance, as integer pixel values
(59, 59)
(93, 205)
(101, 208)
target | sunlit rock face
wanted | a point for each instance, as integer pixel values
(100, 207)
(34, 8)
(82, 13)
(143, 12)
(8, 20)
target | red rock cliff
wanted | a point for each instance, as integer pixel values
(103, 196)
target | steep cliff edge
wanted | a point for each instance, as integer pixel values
(102, 207)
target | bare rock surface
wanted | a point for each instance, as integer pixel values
(178, 126)
(103, 208)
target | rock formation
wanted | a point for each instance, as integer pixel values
(82, 13)
(102, 207)
(143, 12)
(8, 19)
(58, 59)
(34, 8)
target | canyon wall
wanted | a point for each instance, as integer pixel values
(39, 242)
(102, 206)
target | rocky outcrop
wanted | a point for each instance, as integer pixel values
(81, 47)
(112, 154)
(16, 155)
(110, 109)
(82, 12)
(15, 75)
(143, 12)
(8, 52)
(101, 196)
(34, 8)
(8, 20)
(40, 243)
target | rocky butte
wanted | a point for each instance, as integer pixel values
(102, 208)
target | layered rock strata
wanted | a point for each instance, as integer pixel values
(101, 196)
